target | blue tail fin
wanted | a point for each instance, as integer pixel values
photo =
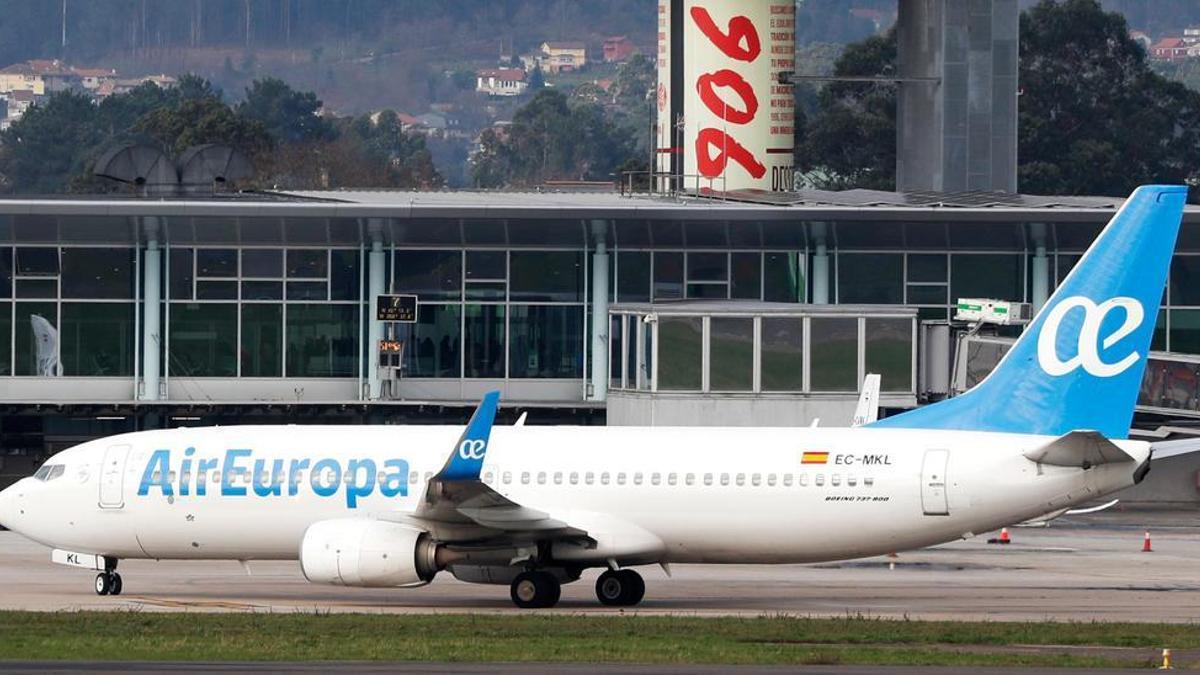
(1079, 364)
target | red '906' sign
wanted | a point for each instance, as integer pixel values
(741, 43)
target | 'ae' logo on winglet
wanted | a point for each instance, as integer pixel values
(1087, 355)
(472, 448)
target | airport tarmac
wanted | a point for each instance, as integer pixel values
(1082, 569)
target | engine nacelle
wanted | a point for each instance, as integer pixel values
(364, 552)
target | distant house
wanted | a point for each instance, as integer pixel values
(558, 57)
(22, 77)
(618, 49)
(1169, 49)
(1191, 35)
(93, 78)
(501, 82)
(19, 102)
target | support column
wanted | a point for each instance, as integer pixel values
(956, 115)
(820, 267)
(1039, 291)
(600, 324)
(376, 269)
(151, 324)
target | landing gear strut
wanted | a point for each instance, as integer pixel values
(535, 590)
(620, 588)
(108, 583)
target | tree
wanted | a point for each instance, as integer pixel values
(550, 139)
(40, 151)
(851, 140)
(288, 115)
(1093, 117)
(537, 80)
(205, 120)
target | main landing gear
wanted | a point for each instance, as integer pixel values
(108, 583)
(620, 588)
(535, 590)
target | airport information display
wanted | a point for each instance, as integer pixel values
(397, 308)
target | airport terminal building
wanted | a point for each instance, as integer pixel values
(127, 313)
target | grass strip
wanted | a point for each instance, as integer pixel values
(320, 636)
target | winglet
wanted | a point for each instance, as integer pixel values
(868, 402)
(467, 458)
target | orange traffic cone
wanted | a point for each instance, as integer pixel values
(1146, 543)
(1003, 539)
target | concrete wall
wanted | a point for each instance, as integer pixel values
(959, 133)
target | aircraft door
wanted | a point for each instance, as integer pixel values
(112, 477)
(933, 483)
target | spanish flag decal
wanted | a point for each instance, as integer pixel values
(812, 457)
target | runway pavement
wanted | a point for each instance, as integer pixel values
(1090, 568)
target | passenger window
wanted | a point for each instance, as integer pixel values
(835, 480)
(787, 480)
(416, 476)
(820, 479)
(45, 471)
(655, 478)
(524, 478)
(574, 478)
(428, 475)
(507, 477)
(708, 479)
(541, 478)
(851, 480)
(621, 478)
(637, 478)
(741, 479)
(724, 479)
(771, 479)
(558, 478)
(487, 478)
(671, 479)
(604, 478)
(868, 481)
(803, 480)
(217, 477)
(589, 477)
(689, 479)
(756, 479)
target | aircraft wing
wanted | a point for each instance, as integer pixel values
(457, 505)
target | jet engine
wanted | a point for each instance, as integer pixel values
(363, 552)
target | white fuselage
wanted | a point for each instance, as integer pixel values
(713, 495)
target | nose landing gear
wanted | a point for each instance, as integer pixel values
(108, 583)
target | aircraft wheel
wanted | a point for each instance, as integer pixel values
(621, 588)
(114, 584)
(635, 587)
(103, 584)
(535, 590)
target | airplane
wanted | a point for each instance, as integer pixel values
(533, 507)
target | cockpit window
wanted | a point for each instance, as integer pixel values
(50, 472)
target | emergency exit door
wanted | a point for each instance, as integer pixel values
(933, 483)
(112, 477)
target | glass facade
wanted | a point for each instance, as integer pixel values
(270, 297)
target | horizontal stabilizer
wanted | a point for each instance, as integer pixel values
(1083, 449)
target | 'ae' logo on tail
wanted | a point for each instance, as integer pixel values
(1087, 355)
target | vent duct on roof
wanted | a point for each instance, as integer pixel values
(199, 170)
(207, 168)
(142, 166)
